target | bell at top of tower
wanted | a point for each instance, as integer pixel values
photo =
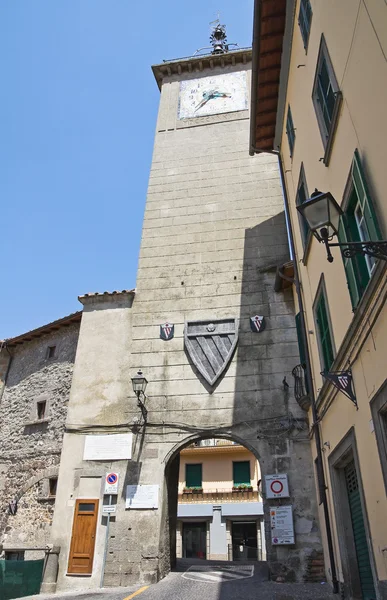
(218, 38)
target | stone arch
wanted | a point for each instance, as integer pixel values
(212, 434)
(171, 477)
(45, 474)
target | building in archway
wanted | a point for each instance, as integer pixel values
(220, 509)
(215, 341)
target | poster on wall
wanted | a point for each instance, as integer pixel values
(117, 446)
(281, 524)
(142, 496)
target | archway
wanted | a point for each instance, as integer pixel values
(215, 505)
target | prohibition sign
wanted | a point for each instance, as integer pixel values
(276, 486)
(111, 478)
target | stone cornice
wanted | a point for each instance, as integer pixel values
(196, 64)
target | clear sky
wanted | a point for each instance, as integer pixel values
(78, 108)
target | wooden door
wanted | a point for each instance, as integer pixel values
(83, 537)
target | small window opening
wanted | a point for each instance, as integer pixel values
(12, 555)
(53, 483)
(51, 351)
(41, 409)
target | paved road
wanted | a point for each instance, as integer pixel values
(209, 580)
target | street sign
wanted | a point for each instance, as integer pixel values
(277, 486)
(111, 483)
(109, 509)
(281, 524)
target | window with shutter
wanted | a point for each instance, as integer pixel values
(301, 197)
(241, 472)
(305, 20)
(326, 99)
(193, 476)
(358, 223)
(290, 131)
(324, 333)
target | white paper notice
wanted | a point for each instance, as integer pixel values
(142, 496)
(108, 447)
(281, 521)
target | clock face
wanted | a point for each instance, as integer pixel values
(212, 95)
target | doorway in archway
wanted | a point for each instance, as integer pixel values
(219, 509)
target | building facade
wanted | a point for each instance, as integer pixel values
(220, 509)
(214, 231)
(36, 374)
(326, 121)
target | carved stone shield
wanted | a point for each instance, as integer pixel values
(210, 345)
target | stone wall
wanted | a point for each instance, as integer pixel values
(30, 447)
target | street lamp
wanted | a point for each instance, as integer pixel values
(139, 383)
(322, 214)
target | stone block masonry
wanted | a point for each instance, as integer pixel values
(213, 234)
(31, 441)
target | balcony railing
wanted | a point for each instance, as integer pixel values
(300, 387)
(212, 442)
(219, 495)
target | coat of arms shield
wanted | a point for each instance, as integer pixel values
(210, 345)
(167, 331)
(257, 323)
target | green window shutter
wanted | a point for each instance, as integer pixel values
(361, 188)
(193, 476)
(324, 333)
(241, 472)
(301, 345)
(349, 270)
(301, 198)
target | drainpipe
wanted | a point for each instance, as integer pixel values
(315, 425)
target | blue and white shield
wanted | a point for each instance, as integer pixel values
(167, 331)
(257, 323)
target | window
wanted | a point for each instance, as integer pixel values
(241, 473)
(14, 555)
(302, 195)
(305, 20)
(300, 339)
(358, 223)
(379, 417)
(51, 351)
(290, 131)
(52, 485)
(326, 99)
(193, 476)
(324, 333)
(41, 409)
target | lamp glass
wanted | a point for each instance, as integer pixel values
(139, 382)
(321, 211)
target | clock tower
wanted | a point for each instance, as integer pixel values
(214, 334)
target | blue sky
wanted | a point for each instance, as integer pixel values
(78, 110)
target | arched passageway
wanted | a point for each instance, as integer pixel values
(215, 505)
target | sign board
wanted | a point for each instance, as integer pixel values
(111, 483)
(117, 446)
(142, 496)
(281, 523)
(109, 509)
(277, 486)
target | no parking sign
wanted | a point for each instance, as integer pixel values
(111, 483)
(277, 486)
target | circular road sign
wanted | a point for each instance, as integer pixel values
(276, 486)
(111, 478)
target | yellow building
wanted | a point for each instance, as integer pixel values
(319, 98)
(220, 510)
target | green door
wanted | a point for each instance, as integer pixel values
(359, 533)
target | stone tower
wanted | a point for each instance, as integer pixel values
(213, 233)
